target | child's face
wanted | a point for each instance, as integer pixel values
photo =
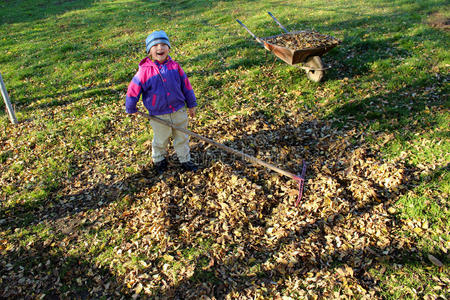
(159, 52)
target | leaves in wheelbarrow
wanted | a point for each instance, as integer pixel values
(303, 40)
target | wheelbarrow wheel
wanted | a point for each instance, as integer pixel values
(314, 62)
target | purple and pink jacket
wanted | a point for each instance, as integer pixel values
(164, 87)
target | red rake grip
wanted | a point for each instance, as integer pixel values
(301, 181)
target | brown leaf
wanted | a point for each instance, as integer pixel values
(435, 261)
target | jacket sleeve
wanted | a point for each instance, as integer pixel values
(186, 88)
(133, 94)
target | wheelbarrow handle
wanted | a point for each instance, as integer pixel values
(251, 33)
(278, 22)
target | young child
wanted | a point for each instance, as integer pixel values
(166, 91)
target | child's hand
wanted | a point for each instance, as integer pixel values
(191, 112)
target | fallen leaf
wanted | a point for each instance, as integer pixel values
(435, 261)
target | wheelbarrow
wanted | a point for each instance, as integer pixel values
(309, 58)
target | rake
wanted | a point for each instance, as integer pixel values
(299, 178)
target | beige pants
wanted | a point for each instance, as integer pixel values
(161, 134)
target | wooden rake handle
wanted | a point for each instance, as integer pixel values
(250, 158)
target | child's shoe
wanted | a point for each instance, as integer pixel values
(189, 166)
(160, 166)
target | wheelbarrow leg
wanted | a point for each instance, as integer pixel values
(314, 62)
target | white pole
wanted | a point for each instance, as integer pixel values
(12, 115)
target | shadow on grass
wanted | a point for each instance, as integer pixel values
(218, 278)
(216, 58)
(217, 282)
(100, 94)
(359, 50)
(354, 57)
(43, 270)
(399, 109)
(258, 265)
(16, 11)
(214, 277)
(59, 207)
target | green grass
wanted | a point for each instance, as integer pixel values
(67, 65)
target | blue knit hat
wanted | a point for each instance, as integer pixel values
(156, 37)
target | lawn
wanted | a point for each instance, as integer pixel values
(83, 214)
